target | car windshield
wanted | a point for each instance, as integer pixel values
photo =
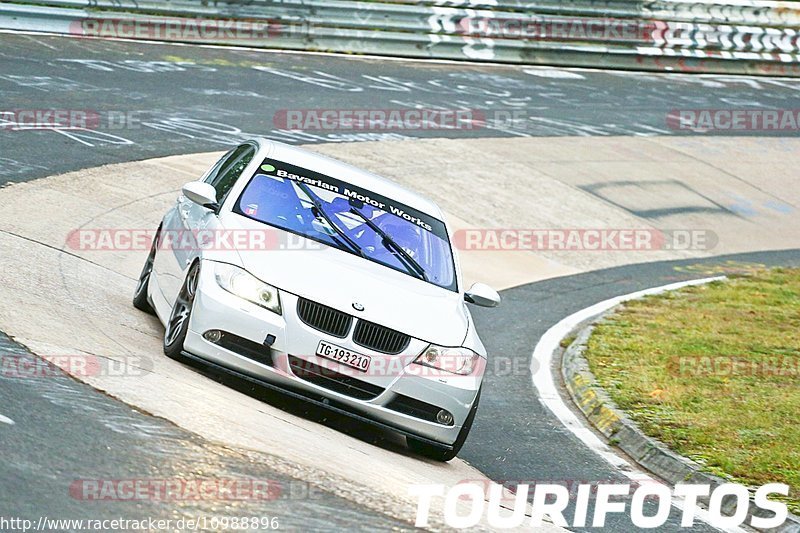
(350, 218)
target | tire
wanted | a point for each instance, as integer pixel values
(438, 453)
(140, 300)
(178, 323)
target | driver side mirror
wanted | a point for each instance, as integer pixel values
(483, 295)
(201, 193)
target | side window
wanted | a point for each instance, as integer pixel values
(230, 169)
(211, 175)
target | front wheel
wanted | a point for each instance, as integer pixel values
(178, 323)
(438, 453)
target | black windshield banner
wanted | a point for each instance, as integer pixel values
(280, 169)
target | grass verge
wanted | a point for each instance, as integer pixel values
(713, 372)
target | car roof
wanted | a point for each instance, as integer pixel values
(348, 173)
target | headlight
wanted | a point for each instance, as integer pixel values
(456, 360)
(244, 285)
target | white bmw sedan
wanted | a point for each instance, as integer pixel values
(327, 282)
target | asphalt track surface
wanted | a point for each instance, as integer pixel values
(67, 435)
(189, 99)
(157, 99)
(516, 439)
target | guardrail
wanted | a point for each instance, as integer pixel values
(755, 37)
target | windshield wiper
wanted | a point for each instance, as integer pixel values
(409, 262)
(319, 209)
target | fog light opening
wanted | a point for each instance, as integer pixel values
(444, 417)
(212, 335)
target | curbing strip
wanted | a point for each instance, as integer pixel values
(601, 411)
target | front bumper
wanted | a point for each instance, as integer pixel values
(393, 395)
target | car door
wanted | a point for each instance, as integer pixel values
(191, 220)
(167, 263)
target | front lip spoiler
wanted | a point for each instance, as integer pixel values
(307, 397)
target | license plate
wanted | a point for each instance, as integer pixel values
(343, 356)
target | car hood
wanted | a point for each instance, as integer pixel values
(339, 279)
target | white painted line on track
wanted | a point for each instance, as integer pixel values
(554, 73)
(6, 420)
(545, 383)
